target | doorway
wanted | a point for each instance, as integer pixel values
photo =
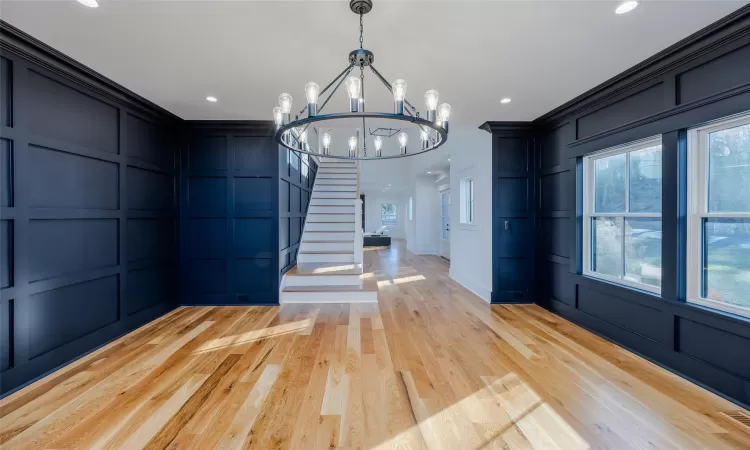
(445, 224)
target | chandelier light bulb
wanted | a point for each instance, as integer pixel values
(277, 116)
(403, 138)
(378, 146)
(444, 112)
(431, 101)
(424, 137)
(352, 143)
(353, 88)
(326, 139)
(399, 90)
(312, 90)
(285, 102)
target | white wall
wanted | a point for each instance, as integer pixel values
(426, 232)
(471, 245)
(372, 213)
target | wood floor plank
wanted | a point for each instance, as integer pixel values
(430, 366)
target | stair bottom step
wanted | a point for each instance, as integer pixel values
(367, 285)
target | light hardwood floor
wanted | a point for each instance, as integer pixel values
(430, 366)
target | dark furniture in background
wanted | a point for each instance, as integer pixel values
(703, 78)
(376, 241)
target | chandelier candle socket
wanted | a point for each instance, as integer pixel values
(292, 128)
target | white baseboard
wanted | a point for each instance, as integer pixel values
(472, 285)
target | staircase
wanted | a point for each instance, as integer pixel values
(329, 261)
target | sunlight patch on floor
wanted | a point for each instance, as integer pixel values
(335, 268)
(255, 335)
(401, 280)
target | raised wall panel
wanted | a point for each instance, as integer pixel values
(66, 114)
(63, 246)
(71, 181)
(206, 276)
(725, 72)
(700, 341)
(636, 106)
(6, 172)
(6, 335)
(253, 275)
(295, 230)
(246, 242)
(150, 239)
(512, 274)
(553, 194)
(626, 314)
(251, 153)
(512, 195)
(6, 253)
(512, 155)
(149, 190)
(6, 92)
(516, 238)
(146, 142)
(207, 237)
(555, 143)
(284, 227)
(560, 283)
(554, 236)
(284, 196)
(295, 200)
(60, 316)
(253, 195)
(208, 153)
(207, 195)
(148, 287)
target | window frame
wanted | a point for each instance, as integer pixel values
(395, 215)
(466, 196)
(589, 212)
(697, 210)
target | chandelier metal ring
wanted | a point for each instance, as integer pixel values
(292, 133)
(286, 139)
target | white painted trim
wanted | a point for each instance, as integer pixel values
(589, 211)
(698, 162)
(472, 285)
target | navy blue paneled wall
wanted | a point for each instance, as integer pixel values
(296, 178)
(229, 214)
(88, 217)
(703, 79)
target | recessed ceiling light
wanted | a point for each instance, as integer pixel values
(212, 99)
(626, 7)
(429, 171)
(505, 100)
(89, 3)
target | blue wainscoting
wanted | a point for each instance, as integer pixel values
(229, 211)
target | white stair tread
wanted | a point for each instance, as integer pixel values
(326, 270)
(367, 285)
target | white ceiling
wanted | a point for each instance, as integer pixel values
(541, 54)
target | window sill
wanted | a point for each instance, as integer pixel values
(643, 288)
(719, 307)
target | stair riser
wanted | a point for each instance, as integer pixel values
(329, 297)
(338, 195)
(332, 201)
(312, 218)
(348, 189)
(327, 246)
(336, 181)
(312, 226)
(323, 280)
(331, 209)
(338, 175)
(332, 257)
(329, 236)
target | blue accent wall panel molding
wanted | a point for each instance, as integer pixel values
(297, 174)
(704, 78)
(228, 214)
(88, 211)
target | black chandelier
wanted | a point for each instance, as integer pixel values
(293, 134)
